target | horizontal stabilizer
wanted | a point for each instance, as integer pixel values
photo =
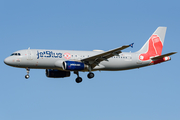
(162, 56)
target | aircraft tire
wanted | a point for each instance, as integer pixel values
(27, 76)
(78, 79)
(90, 75)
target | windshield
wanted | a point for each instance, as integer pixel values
(16, 54)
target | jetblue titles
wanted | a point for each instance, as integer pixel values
(48, 54)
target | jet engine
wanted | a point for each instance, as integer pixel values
(57, 73)
(73, 65)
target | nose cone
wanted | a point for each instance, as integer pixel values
(7, 61)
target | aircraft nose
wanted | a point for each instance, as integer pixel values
(7, 61)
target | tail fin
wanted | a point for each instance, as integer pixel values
(153, 47)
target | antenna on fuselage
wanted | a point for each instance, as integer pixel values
(29, 48)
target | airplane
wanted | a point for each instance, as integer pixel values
(60, 63)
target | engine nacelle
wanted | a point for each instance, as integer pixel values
(57, 73)
(73, 65)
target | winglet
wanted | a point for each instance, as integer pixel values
(131, 45)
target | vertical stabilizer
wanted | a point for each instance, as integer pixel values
(153, 47)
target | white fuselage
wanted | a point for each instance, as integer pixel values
(52, 59)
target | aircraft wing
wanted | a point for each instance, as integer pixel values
(161, 56)
(96, 59)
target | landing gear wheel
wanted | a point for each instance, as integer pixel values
(90, 75)
(27, 76)
(27, 70)
(78, 79)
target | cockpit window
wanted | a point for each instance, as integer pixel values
(12, 54)
(16, 54)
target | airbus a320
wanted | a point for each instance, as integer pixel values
(60, 63)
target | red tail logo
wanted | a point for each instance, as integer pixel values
(154, 48)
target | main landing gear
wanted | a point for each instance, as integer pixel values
(90, 75)
(27, 70)
(79, 79)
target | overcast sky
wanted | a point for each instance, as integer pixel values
(149, 93)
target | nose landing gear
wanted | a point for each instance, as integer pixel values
(27, 70)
